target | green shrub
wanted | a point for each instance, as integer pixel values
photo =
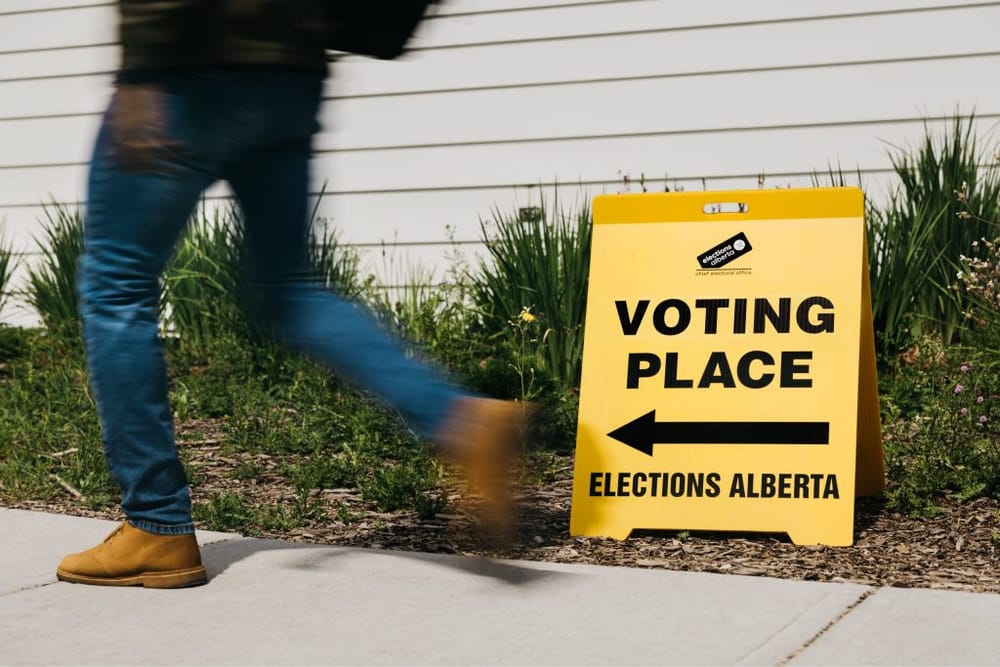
(51, 288)
(945, 200)
(430, 318)
(538, 267)
(941, 422)
(553, 426)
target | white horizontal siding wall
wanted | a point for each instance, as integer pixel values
(502, 98)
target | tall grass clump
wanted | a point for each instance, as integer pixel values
(8, 263)
(945, 199)
(532, 290)
(51, 283)
(205, 295)
(208, 289)
(334, 265)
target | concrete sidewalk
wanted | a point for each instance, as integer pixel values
(278, 603)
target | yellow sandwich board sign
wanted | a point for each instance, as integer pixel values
(728, 366)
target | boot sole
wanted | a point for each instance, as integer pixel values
(192, 576)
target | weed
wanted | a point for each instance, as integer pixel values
(528, 345)
(346, 516)
(195, 472)
(542, 467)
(224, 511)
(320, 472)
(279, 518)
(409, 484)
(246, 470)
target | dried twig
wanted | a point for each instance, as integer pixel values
(67, 486)
(59, 455)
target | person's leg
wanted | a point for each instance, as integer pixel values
(271, 183)
(133, 220)
(139, 199)
(481, 435)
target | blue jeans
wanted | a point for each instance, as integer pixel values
(253, 128)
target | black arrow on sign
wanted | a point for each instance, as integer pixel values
(642, 433)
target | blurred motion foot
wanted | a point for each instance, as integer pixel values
(482, 436)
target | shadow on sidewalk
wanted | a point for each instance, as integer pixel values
(219, 556)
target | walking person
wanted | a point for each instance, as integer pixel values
(228, 90)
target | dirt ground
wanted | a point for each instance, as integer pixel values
(957, 549)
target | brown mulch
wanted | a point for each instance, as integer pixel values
(957, 549)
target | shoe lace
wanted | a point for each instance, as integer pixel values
(115, 533)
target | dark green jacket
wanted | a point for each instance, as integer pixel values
(157, 34)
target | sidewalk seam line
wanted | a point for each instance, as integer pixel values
(28, 588)
(822, 631)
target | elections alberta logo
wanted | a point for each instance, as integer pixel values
(722, 254)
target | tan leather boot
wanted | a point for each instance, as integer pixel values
(483, 437)
(132, 557)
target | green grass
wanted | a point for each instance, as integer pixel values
(230, 511)
(49, 433)
(330, 434)
(267, 401)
